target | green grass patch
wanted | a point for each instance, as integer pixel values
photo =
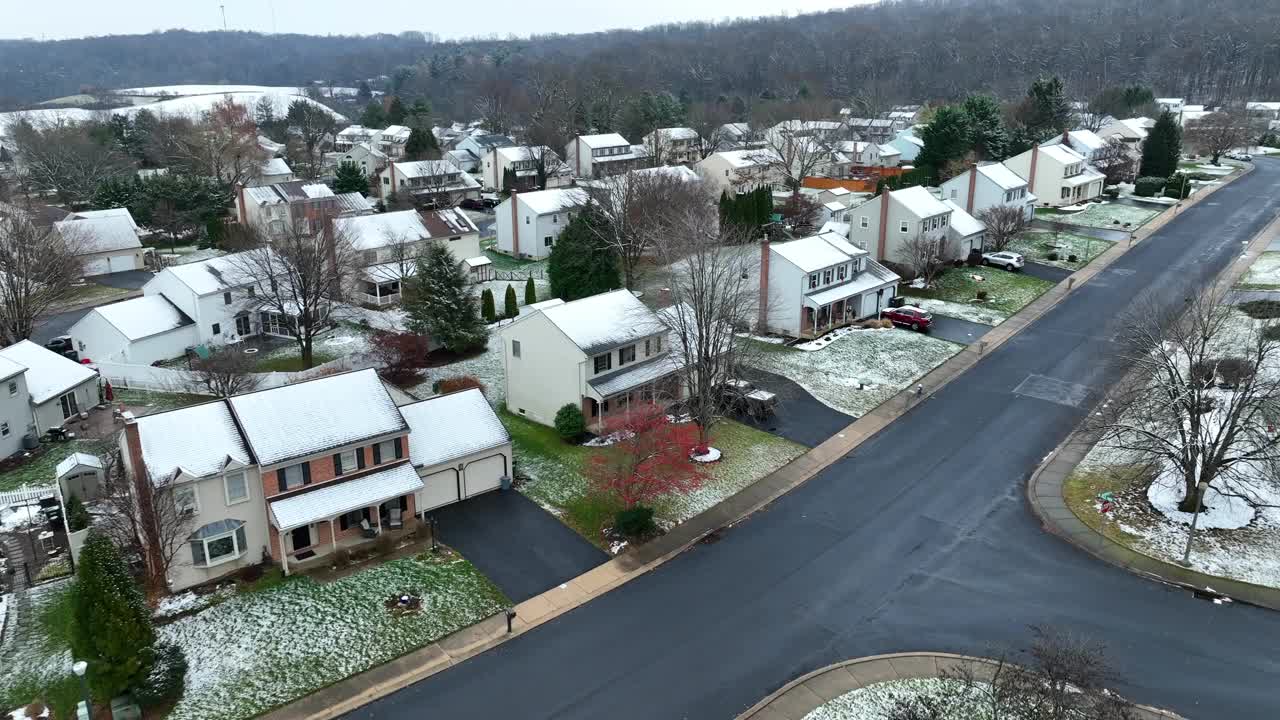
(291, 362)
(506, 263)
(1260, 309)
(156, 401)
(91, 292)
(1037, 245)
(39, 469)
(35, 654)
(1081, 489)
(1007, 292)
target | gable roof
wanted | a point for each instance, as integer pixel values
(492, 140)
(1062, 154)
(10, 368)
(448, 222)
(49, 374)
(962, 223)
(677, 133)
(214, 275)
(103, 233)
(395, 134)
(143, 317)
(1001, 175)
(554, 200)
(919, 201)
(603, 321)
(750, 158)
(817, 251)
(317, 415)
(603, 140)
(289, 191)
(198, 440)
(276, 166)
(367, 232)
(111, 212)
(447, 427)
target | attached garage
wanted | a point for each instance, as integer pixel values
(458, 446)
(106, 240)
(138, 331)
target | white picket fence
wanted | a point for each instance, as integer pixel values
(27, 494)
(146, 377)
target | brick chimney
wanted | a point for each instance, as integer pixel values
(244, 216)
(973, 184)
(884, 225)
(762, 320)
(392, 170)
(515, 225)
(1035, 159)
(143, 490)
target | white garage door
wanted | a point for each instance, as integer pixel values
(98, 266)
(483, 476)
(441, 489)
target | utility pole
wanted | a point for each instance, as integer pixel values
(223, 8)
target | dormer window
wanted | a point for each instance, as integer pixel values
(813, 281)
(826, 277)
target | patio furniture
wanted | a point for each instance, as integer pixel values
(396, 520)
(366, 530)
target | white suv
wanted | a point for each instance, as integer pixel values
(1008, 260)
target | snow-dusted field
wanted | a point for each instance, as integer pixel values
(1037, 244)
(485, 367)
(192, 106)
(29, 660)
(875, 702)
(1106, 215)
(1264, 272)
(882, 361)
(973, 312)
(185, 90)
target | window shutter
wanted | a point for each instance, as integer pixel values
(337, 463)
(280, 480)
(377, 454)
(359, 458)
(306, 473)
(197, 553)
(399, 448)
(343, 522)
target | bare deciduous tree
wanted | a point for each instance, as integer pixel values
(65, 160)
(1219, 132)
(708, 121)
(1201, 401)
(1116, 161)
(1004, 224)
(803, 152)
(37, 268)
(226, 372)
(924, 256)
(312, 124)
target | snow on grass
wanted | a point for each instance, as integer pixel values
(258, 650)
(1215, 169)
(1264, 273)
(746, 455)
(1037, 244)
(1007, 292)
(877, 701)
(187, 602)
(1106, 215)
(499, 289)
(882, 361)
(973, 311)
(35, 663)
(19, 516)
(485, 366)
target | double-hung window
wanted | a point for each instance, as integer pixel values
(603, 362)
(347, 462)
(294, 476)
(863, 222)
(842, 272)
(813, 281)
(904, 228)
(13, 388)
(236, 486)
(826, 277)
(515, 348)
(626, 354)
(186, 500)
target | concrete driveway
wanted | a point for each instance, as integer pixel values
(800, 417)
(956, 330)
(522, 548)
(127, 280)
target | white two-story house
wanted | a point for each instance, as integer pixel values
(988, 185)
(673, 146)
(814, 284)
(1057, 175)
(389, 244)
(739, 171)
(528, 224)
(391, 141)
(603, 354)
(594, 156)
(523, 161)
(353, 135)
(884, 223)
(427, 182)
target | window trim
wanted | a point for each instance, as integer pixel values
(226, 487)
(608, 362)
(515, 348)
(195, 498)
(236, 553)
(622, 360)
(904, 227)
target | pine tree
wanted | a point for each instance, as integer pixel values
(487, 310)
(363, 92)
(374, 116)
(987, 134)
(112, 629)
(396, 112)
(530, 292)
(508, 179)
(1162, 148)
(440, 304)
(1046, 111)
(946, 139)
(764, 205)
(727, 208)
(350, 178)
(421, 145)
(578, 266)
(510, 308)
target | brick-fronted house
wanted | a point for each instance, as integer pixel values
(299, 471)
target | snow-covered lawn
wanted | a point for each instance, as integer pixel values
(1007, 292)
(1264, 273)
(1036, 245)
(342, 341)
(486, 366)
(499, 290)
(1105, 215)
(881, 361)
(876, 701)
(35, 663)
(258, 650)
(972, 311)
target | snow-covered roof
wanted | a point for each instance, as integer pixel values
(919, 201)
(337, 498)
(817, 251)
(1002, 176)
(476, 262)
(353, 203)
(49, 374)
(214, 275)
(751, 157)
(395, 133)
(450, 426)
(435, 168)
(367, 232)
(554, 200)
(834, 206)
(543, 305)
(832, 226)
(633, 376)
(838, 191)
(308, 417)
(104, 233)
(357, 131)
(604, 321)
(887, 150)
(1062, 154)
(677, 133)
(276, 166)
(962, 222)
(1269, 105)
(520, 153)
(111, 212)
(198, 440)
(449, 222)
(289, 191)
(9, 368)
(875, 275)
(603, 140)
(143, 317)
(75, 460)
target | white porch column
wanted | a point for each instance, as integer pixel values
(284, 555)
(333, 536)
(378, 514)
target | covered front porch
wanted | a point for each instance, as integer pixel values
(320, 521)
(655, 381)
(381, 285)
(845, 304)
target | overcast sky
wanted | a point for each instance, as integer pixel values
(446, 18)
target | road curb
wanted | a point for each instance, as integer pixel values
(1045, 493)
(808, 692)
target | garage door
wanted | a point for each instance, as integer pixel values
(98, 266)
(483, 476)
(441, 489)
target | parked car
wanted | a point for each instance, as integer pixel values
(1246, 157)
(908, 316)
(471, 204)
(490, 199)
(1008, 260)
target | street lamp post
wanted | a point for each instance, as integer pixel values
(1195, 518)
(81, 667)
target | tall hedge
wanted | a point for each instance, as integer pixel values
(112, 632)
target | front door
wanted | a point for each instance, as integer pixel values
(301, 538)
(69, 405)
(243, 325)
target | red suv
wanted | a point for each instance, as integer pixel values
(909, 316)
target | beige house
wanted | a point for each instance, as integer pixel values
(438, 182)
(1057, 175)
(742, 170)
(523, 160)
(673, 146)
(883, 224)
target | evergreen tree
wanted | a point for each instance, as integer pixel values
(112, 629)
(508, 179)
(946, 139)
(727, 208)
(396, 112)
(578, 266)
(986, 127)
(530, 292)
(374, 116)
(1046, 111)
(1162, 148)
(487, 310)
(350, 178)
(363, 92)
(510, 308)
(440, 304)
(764, 205)
(421, 145)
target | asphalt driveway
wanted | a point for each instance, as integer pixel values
(522, 548)
(52, 326)
(800, 417)
(1046, 272)
(956, 330)
(127, 280)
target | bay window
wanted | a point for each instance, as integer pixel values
(217, 543)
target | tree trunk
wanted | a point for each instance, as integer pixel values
(1188, 502)
(307, 354)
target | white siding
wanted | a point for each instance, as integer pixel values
(50, 413)
(165, 346)
(97, 339)
(786, 296)
(547, 375)
(463, 477)
(16, 411)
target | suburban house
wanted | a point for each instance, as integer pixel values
(42, 390)
(593, 156)
(427, 182)
(788, 129)
(523, 161)
(876, 130)
(139, 331)
(471, 150)
(270, 147)
(273, 210)
(673, 146)
(273, 171)
(1085, 142)
(388, 245)
(1130, 131)
(733, 136)
(106, 241)
(988, 185)
(601, 353)
(814, 284)
(1057, 175)
(1265, 109)
(861, 154)
(299, 471)
(527, 224)
(884, 223)
(391, 141)
(742, 170)
(965, 233)
(368, 158)
(908, 144)
(353, 135)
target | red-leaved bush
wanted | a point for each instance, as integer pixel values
(399, 355)
(651, 462)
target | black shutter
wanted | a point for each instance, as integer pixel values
(280, 479)
(404, 503)
(337, 463)
(306, 473)
(399, 448)
(359, 458)
(377, 455)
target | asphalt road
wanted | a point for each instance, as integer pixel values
(919, 540)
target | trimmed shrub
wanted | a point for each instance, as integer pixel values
(77, 516)
(1072, 258)
(164, 682)
(487, 311)
(1178, 186)
(634, 522)
(1148, 186)
(974, 259)
(530, 292)
(1261, 309)
(570, 424)
(982, 295)
(1051, 256)
(384, 545)
(458, 382)
(510, 308)
(1234, 371)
